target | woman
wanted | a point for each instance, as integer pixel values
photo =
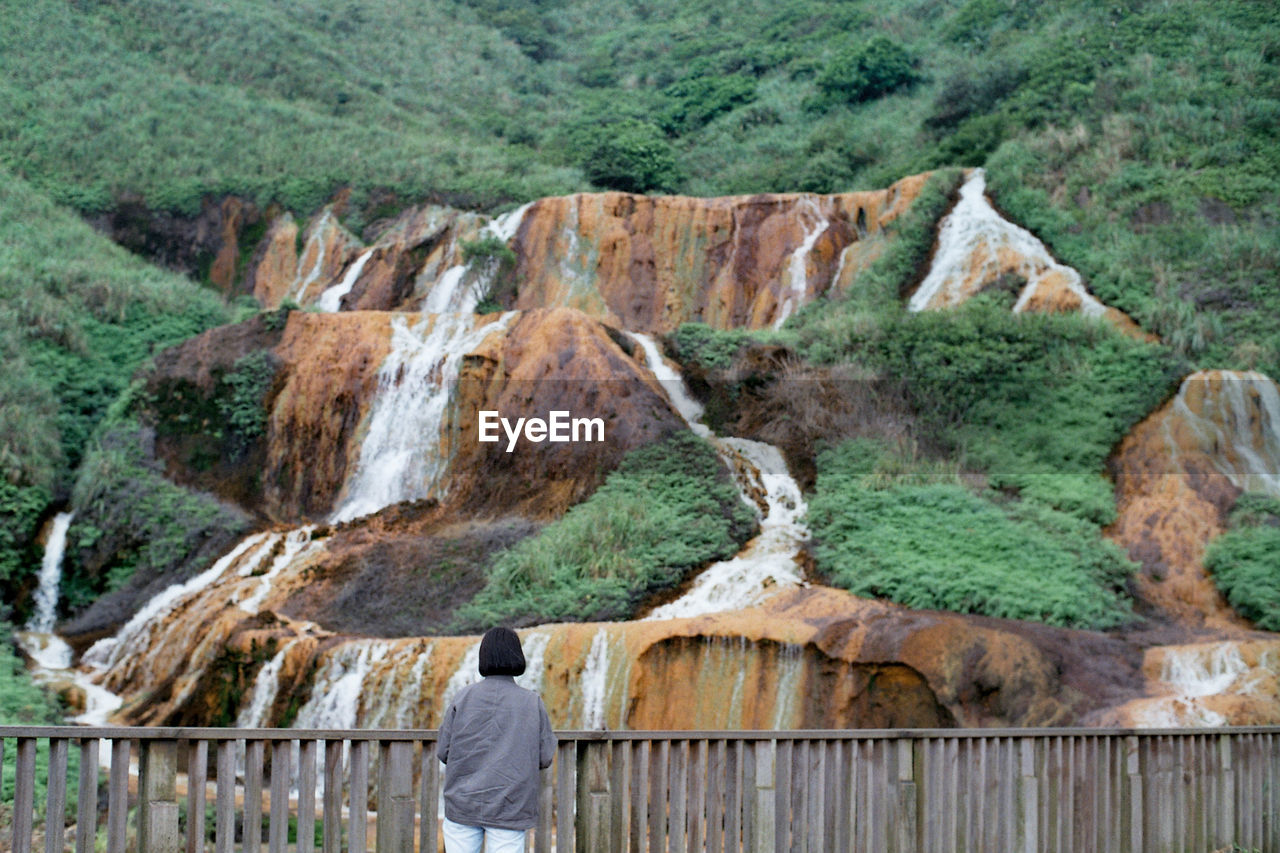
(494, 739)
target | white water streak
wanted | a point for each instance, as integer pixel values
(1237, 427)
(50, 575)
(339, 684)
(296, 543)
(468, 672)
(316, 241)
(768, 562)
(798, 268)
(976, 244)
(331, 299)
(595, 681)
(265, 687)
(534, 646)
(673, 384)
(400, 458)
(135, 637)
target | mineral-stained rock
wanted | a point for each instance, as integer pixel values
(550, 360)
(650, 263)
(1178, 473)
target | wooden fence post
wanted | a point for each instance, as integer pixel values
(395, 797)
(1028, 797)
(158, 797)
(763, 785)
(1133, 776)
(908, 822)
(592, 795)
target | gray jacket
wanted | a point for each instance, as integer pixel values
(494, 738)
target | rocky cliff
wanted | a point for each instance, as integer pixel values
(352, 430)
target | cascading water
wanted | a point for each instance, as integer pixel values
(400, 458)
(50, 575)
(139, 633)
(331, 299)
(768, 562)
(798, 267)
(1235, 418)
(1198, 679)
(265, 687)
(461, 287)
(595, 682)
(50, 652)
(339, 683)
(976, 244)
(315, 243)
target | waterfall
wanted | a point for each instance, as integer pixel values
(339, 684)
(314, 242)
(976, 244)
(295, 543)
(798, 267)
(534, 645)
(1202, 670)
(1235, 418)
(331, 299)
(461, 287)
(595, 681)
(50, 575)
(673, 384)
(468, 672)
(50, 652)
(1202, 680)
(136, 635)
(265, 687)
(768, 562)
(400, 458)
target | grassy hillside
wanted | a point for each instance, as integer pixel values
(1136, 137)
(79, 315)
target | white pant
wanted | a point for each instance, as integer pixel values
(469, 839)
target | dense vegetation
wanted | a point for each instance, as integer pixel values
(896, 528)
(1244, 560)
(80, 314)
(1137, 137)
(615, 549)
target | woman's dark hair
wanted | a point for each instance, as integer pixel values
(500, 653)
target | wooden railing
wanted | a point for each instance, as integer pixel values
(937, 790)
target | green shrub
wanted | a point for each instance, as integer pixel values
(630, 155)
(707, 347)
(1035, 401)
(244, 390)
(864, 72)
(498, 261)
(131, 519)
(701, 96)
(668, 508)
(20, 510)
(886, 533)
(1243, 560)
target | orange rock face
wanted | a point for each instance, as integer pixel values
(651, 263)
(815, 658)
(330, 375)
(1177, 473)
(281, 272)
(550, 360)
